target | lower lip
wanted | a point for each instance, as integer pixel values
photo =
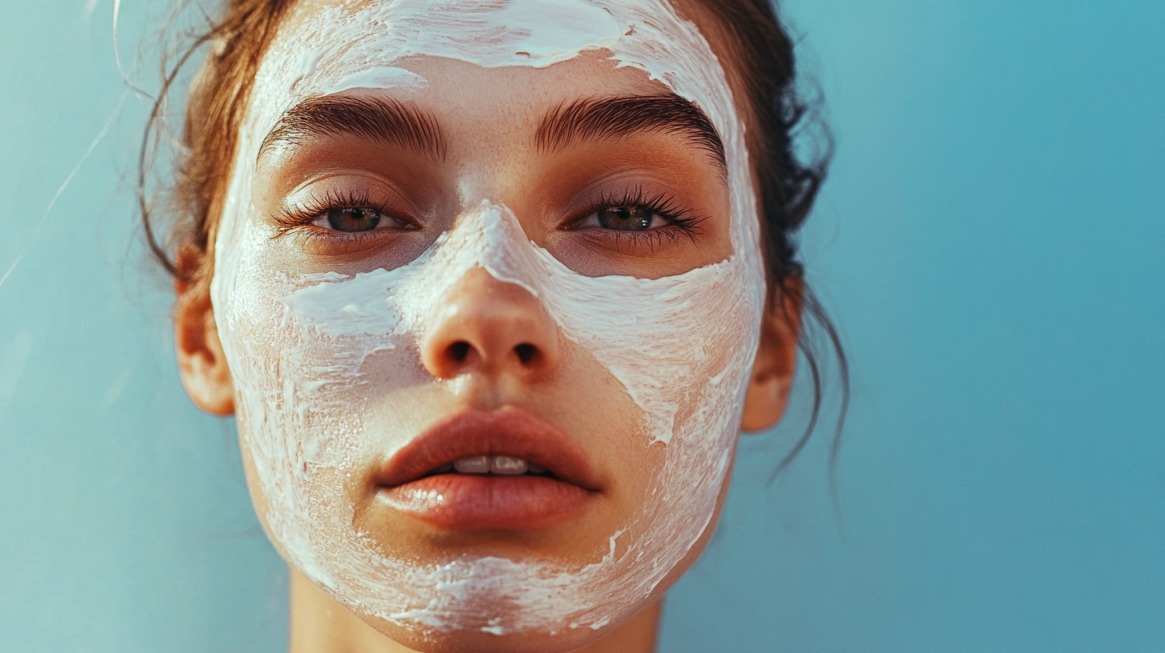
(463, 502)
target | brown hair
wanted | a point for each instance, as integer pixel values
(218, 98)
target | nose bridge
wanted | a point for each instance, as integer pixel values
(491, 237)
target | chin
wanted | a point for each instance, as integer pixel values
(479, 630)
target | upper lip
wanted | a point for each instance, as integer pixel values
(507, 432)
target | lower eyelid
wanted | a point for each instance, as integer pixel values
(315, 238)
(626, 242)
(329, 242)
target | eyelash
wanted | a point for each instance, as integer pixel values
(298, 219)
(680, 221)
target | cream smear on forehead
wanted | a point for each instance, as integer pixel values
(309, 352)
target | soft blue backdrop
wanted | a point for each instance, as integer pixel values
(991, 243)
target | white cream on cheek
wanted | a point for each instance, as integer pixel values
(301, 346)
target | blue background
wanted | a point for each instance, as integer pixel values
(991, 243)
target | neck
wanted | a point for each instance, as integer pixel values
(321, 625)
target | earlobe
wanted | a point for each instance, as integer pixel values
(201, 363)
(776, 359)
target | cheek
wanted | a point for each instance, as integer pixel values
(295, 396)
(676, 344)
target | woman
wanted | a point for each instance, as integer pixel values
(491, 289)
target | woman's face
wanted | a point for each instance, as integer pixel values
(489, 287)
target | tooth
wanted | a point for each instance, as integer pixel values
(443, 469)
(535, 469)
(507, 465)
(472, 465)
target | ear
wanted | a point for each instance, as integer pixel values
(201, 363)
(776, 359)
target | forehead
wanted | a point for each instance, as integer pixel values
(327, 46)
(541, 26)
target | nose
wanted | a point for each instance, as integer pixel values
(492, 327)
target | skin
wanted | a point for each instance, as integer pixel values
(489, 118)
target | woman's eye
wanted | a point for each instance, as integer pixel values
(350, 219)
(626, 218)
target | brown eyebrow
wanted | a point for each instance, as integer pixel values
(617, 117)
(396, 123)
(382, 119)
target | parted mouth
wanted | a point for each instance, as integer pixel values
(505, 443)
(492, 465)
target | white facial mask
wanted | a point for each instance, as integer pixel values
(309, 354)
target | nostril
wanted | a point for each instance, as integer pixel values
(459, 351)
(526, 352)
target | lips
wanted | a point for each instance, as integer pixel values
(537, 475)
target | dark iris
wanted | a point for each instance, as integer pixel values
(353, 219)
(625, 218)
